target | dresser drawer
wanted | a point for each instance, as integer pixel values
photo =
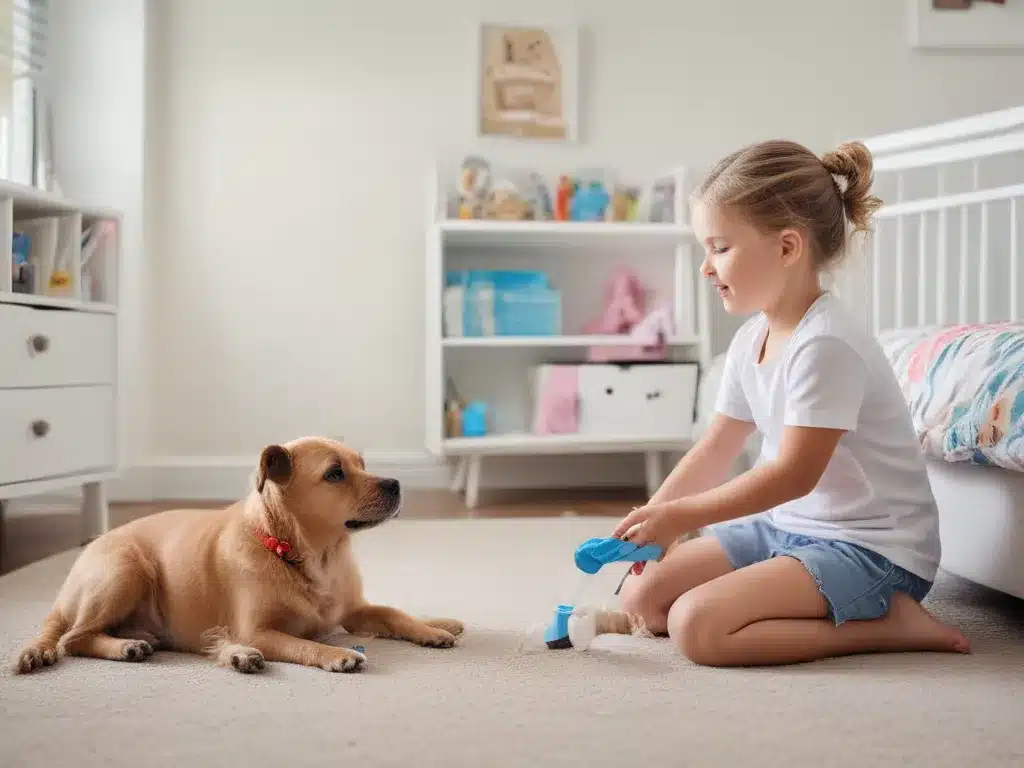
(51, 347)
(645, 400)
(50, 432)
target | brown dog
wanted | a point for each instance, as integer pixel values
(257, 581)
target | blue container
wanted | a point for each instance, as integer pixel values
(474, 419)
(535, 312)
(507, 303)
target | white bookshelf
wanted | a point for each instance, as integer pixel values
(59, 387)
(578, 256)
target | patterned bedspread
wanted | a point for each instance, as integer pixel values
(965, 388)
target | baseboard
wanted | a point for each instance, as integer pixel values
(222, 478)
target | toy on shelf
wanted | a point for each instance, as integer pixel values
(590, 202)
(625, 204)
(539, 198)
(585, 196)
(504, 203)
(463, 419)
(474, 419)
(654, 331)
(623, 307)
(563, 197)
(661, 202)
(573, 627)
(22, 270)
(557, 389)
(474, 186)
(625, 312)
(452, 410)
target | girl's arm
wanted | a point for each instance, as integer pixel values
(826, 381)
(707, 464)
(803, 456)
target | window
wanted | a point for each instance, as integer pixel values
(25, 31)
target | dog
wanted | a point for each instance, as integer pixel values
(257, 581)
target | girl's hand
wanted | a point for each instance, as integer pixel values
(659, 524)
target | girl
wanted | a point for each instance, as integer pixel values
(842, 542)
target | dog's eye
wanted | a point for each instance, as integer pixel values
(335, 475)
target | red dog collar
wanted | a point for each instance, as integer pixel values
(275, 545)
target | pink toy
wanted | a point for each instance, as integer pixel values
(557, 401)
(624, 314)
(654, 331)
(624, 304)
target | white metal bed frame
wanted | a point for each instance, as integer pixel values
(940, 148)
(962, 279)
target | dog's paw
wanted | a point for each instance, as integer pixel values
(136, 650)
(435, 638)
(345, 661)
(451, 626)
(34, 657)
(248, 660)
(147, 637)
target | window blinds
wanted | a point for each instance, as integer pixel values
(24, 36)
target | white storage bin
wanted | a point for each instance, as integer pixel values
(649, 400)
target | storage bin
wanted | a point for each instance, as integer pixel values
(647, 400)
(536, 312)
(501, 303)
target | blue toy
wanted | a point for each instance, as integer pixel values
(590, 557)
(474, 419)
(592, 554)
(589, 203)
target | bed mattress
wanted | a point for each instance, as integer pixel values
(981, 518)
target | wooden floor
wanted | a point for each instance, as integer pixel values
(40, 528)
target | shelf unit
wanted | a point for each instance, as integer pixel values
(579, 257)
(59, 383)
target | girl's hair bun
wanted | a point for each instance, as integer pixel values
(851, 165)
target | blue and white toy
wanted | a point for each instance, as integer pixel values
(565, 631)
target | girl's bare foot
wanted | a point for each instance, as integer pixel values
(911, 621)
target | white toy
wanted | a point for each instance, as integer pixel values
(574, 627)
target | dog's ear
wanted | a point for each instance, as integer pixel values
(275, 465)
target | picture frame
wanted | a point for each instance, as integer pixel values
(983, 27)
(526, 81)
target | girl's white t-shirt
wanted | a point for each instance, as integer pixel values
(831, 373)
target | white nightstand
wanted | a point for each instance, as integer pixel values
(58, 351)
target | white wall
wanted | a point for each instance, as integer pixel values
(98, 60)
(290, 158)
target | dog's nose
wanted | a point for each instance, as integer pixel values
(390, 486)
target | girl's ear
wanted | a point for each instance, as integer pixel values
(792, 246)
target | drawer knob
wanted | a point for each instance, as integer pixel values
(40, 427)
(40, 343)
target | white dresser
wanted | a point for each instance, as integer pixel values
(58, 349)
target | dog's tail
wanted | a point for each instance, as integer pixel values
(213, 640)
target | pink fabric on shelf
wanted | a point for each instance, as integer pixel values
(557, 402)
(624, 313)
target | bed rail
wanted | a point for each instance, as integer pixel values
(947, 241)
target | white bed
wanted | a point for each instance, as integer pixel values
(946, 254)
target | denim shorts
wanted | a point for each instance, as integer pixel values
(856, 583)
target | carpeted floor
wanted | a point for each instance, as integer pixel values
(489, 702)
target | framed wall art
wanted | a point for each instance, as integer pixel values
(966, 25)
(527, 81)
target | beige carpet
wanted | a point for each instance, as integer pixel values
(487, 703)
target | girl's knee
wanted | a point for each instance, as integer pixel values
(694, 625)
